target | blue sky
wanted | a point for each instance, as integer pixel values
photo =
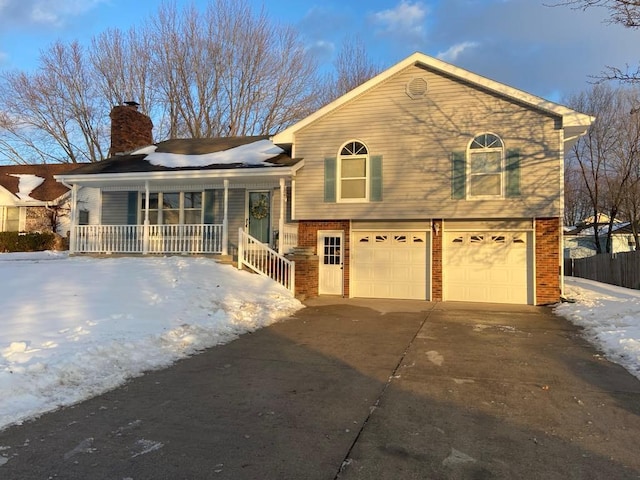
(547, 51)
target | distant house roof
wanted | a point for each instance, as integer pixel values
(194, 154)
(34, 182)
(587, 230)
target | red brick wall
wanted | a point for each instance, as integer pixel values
(308, 237)
(306, 275)
(130, 129)
(436, 261)
(547, 232)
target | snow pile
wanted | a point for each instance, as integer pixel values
(610, 317)
(251, 154)
(76, 327)
(27, 183)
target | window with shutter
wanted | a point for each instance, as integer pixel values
(485, 167)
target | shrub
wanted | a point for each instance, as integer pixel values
(28, 242)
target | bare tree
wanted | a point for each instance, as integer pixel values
(622, 12)
(121, 64)
(352, 67)
(53, 115)
(606, 156)
(629, 146)
(224, 71)
(590, 152)
(577, 205)
(229, 72)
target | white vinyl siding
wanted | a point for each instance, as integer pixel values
(416, 139)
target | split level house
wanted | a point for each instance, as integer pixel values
(427, 182)
(31, 200)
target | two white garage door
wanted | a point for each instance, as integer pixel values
(477, 266)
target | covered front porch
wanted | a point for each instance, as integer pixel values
(181, 217)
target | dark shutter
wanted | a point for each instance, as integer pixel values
(375, 186)
(512, 173)
(132, 208)
(209, 196)
(330, 179)
(458, 176)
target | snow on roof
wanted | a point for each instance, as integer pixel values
(251, 154)
(27, 183)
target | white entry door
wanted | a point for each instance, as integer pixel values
(330, 253)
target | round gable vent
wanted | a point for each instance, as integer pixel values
(417, 87)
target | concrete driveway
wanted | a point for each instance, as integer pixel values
(358, 389)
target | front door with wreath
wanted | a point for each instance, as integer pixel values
(259, 215)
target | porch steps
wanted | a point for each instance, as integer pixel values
(225, 259)
(265, 261)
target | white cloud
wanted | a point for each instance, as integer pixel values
(321, 50)
(26, 13)
(453, 52)
(405, 20)
(39, 14)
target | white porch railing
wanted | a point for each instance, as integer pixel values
(185, 238)
(265, 261)
(289, 237)
(160, 239)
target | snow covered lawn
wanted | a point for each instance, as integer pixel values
(610, 317)
(72, 328)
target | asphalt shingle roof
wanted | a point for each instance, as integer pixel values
(49, 190)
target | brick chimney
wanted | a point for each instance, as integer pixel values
(130, 129)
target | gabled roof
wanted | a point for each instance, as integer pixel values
(574, 123)
(34, 183)
(189, 154)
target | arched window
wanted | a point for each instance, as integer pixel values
(486, 166)
(353, 172)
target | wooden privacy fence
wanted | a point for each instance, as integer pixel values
(622, 269)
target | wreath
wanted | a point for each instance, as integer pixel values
(260, 209)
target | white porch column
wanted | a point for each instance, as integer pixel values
(225, 220)
(283, 194)
(74, 219)
(145, 228)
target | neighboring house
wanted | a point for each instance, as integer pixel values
(426, 182)
(31, 199)
(579, 240)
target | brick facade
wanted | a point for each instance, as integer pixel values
(436, 261)
(307, 269)
(130, 129)
(547, 258)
